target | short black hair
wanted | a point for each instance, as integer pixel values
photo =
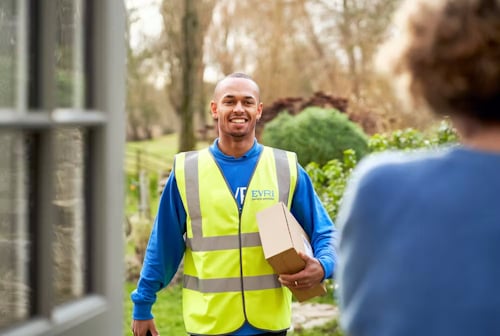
(238, 75)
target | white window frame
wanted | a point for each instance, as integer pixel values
(100, 310)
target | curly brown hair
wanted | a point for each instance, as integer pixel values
(448, 55)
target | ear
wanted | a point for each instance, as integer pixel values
(213, 110)
(259, 111)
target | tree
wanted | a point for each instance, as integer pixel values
(357, 27)
(292, 48)
(142, 102)
(181, 48)
(298, 47)
(276, 42)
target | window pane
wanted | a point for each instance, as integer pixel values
(70, 236)
(69, 54)
(8, 52)
(14, 237)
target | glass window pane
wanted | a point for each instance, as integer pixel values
(14, 236)
(70, 234)
(8, 52)
(70, 79)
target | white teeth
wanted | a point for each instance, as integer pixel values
(239, 121)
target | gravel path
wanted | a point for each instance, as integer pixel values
(308, 315)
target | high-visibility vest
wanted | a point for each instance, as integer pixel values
(226, 277)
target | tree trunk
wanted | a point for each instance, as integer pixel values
(190, 62)
(350, 44)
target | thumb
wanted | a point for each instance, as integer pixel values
(305, 256)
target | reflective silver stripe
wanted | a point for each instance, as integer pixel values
(193, 193)
(224, 242)
(232, 284)
(201, 243)
(283, 173)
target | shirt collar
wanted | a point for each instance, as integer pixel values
(254, 150)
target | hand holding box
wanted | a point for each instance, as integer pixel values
(282, 238)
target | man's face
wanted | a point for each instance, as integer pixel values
(236, 107)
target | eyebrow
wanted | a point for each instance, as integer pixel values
(230, 96)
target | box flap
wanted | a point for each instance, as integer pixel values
(275, 238)
(299, 237)
(287, 262)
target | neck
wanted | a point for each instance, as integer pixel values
(235, 148)
(482, 136)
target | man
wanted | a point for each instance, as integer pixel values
(207, 214)
(420, 232)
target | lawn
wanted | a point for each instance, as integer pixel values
(153, 154)
(167, 311)
(154, 157)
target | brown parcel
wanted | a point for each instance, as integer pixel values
(282, 238)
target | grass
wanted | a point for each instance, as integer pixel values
(161, 148)
(154, 154)
(156, 158)
(331, 329)
(167, 311)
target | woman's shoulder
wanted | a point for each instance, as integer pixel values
(393, 161)
(396, 169)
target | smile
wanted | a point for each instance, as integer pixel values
(238, 120)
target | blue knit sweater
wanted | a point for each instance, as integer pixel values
(419, 249)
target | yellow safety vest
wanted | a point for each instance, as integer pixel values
(226, 277)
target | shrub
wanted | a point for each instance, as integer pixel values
(316, 135)
(329, 180)
(410, 139)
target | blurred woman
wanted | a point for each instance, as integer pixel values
(419, 247)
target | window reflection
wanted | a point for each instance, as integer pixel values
(14, 237)
(70, 235)
(8, 52)
(69, 54)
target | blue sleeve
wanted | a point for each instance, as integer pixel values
(164, 252)
(359, 245)
(312, 215)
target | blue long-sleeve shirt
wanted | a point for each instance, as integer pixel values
(166, 245)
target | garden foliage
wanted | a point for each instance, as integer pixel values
(316, 135)
(329, 179)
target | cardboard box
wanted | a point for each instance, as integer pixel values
(282, 238)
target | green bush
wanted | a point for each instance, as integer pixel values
(410, 139)
(329, 180)
(316, 135)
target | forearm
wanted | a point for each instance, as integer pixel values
(164, 251)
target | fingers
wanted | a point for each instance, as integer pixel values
(304, 256)
(294, 282)
(310, 276)
(144, 328)
(301, 284)
(314, 269)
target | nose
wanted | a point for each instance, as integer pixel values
(238, 106)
